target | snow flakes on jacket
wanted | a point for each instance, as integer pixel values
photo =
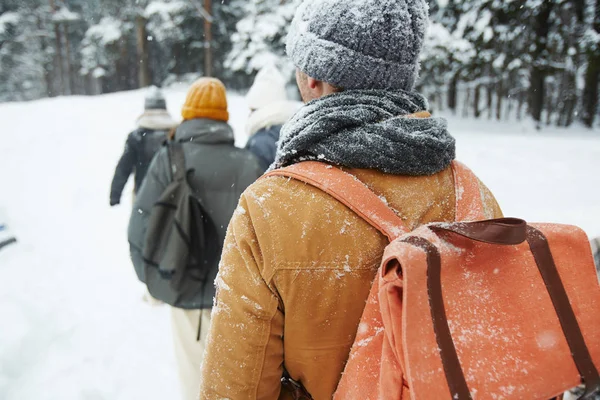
(294, 277)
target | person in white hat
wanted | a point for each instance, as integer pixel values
(270, 110)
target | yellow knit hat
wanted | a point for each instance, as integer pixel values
(206, 98)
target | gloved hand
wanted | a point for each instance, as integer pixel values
(114, 202)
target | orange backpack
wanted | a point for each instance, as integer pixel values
(496, 309)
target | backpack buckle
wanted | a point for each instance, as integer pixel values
(295, 388)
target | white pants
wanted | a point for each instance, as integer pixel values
(188, 351)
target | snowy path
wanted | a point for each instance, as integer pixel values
(72, 322)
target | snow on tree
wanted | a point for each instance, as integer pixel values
(489, 58)
(99, 49)
(444, 56)
(166, 20)
(65, 15)
(260, 37)
(21, 61)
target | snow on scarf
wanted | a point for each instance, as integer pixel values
(368, 129)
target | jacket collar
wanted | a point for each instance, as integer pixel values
(156, 120)
(206, 131)
(274, 114)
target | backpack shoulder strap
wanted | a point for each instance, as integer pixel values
(349, 191)
(469, 201)
(177, 161)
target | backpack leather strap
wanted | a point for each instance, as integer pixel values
(348, 190)
(566, 315)
(177, 161)
(503, 231)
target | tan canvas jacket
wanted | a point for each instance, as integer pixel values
(296, 271)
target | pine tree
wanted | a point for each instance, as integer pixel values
(260, 36)
(591, 48)
(22, 55)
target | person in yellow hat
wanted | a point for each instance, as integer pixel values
(221, 172)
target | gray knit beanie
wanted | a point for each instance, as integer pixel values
(359, 44)
(154, 99)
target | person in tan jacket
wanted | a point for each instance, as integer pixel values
(298, 265)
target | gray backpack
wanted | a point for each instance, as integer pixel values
(181, 244)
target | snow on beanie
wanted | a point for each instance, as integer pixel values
(207, 98)
(268, 88)
(360, 44)
(154, 99)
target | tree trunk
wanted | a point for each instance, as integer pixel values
(59, 57)
(499, 98)
(142, 52)
(590, 91)
(520, 106)
(571, 113)
(70, 84)
(539, 69)
(467, 105)
(59, 60)
(476, 110)
(121, 80)
(208, 62)
(550, 105)
(570, 99)
(452, 93)
(490, 100)
(47, 66)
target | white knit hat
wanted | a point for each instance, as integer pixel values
(269, 87)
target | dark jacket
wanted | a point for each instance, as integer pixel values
(263, 144)
(221, 174)
(140, 147)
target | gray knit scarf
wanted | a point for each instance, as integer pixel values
(368, 129)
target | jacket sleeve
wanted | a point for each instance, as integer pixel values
(244, 353)
(123, 171)
(156, 181)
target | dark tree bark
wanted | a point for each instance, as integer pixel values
(590, 91)
(47, 66)
(520, 106)
(59, 55)
(142, 52)
(208, 38)
(123, 68)
(452, 93)
(490, 100)
(70, 83)
(467, 103)
(550, 105)
(476, 100)
(539, 69)
(499, 99)
(570, 99)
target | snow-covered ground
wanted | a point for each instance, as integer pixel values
(72, 323)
